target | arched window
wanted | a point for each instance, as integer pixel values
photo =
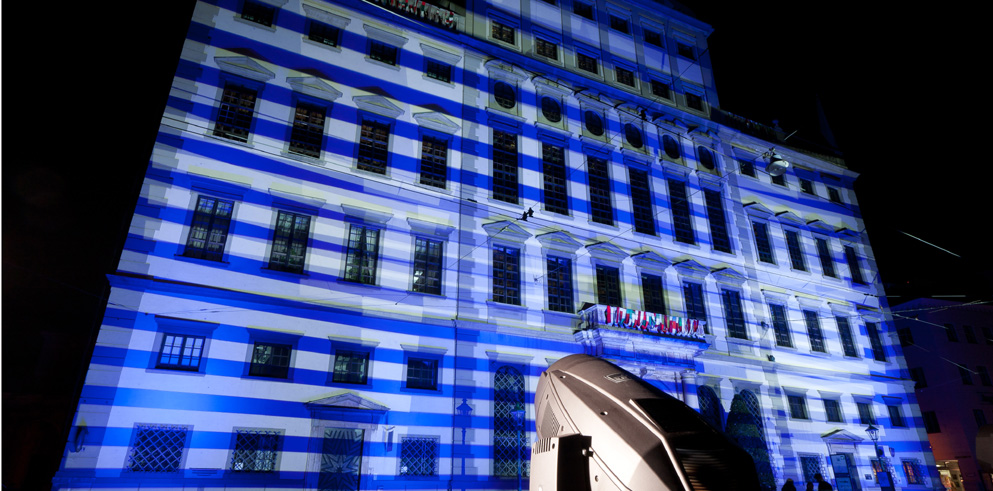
(551, 109)
(710, 407)
(633, 135)
(670, 146)
(509, 443)
(594, 123)
(505, 95)
(746, 429)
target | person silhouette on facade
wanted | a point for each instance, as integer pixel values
(810, 486)
(822, 485)
(789, 485)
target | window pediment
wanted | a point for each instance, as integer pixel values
(314, 87)
(425, 227)
(758, 210)
(437, 121)
(651, 261)
(378, 104)
(729, 277)
(692, 269)
(245, 67)
(347, 399)
(559, 241)
(790, 218)
(507, 230)
(607, 252)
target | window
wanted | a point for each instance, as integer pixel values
(866, 416)
(632, 135)
(434, 162)
(506, 275)
(601, 208)
(832, 408)
(289, 242)
(965, 375)
(551, 109)
(984, 375)
(157, 448)
(350, 367)
(323, 33)
(508, 446)
(661, 89)
(419, 456)
(779, 180)
(806, 186)
(559, 273)
(671, 147)
(780, 325)
(875, 342)
(912, 468)
(653, 37)
(438, 70)
(307, 136)
(554, 175)
(814, 331)
(931, 422)
(970, 334)
(608, 285)
(624, 76)
(762, 242)
(234, 116)
(383, 52)
(641, 202)
(653, 293)
(594, 123)
(374, 146)
(502, 32)
(987, 334)
(917, 375)
(980, 417)
(255, 451)
(583, 9)
(685, 50)
(950, 332)
(258, 13)
(707, 159)
(505, 165)
(734, 315)
(834, 195)
(427, 266)
(853, 265)
(746, 168)
(422, 373)
(180, 352)
(505, 95)
(824, 253)
(270, 360)
(546, 49)
(693, 298)
(362, 256)
(798, 406)
(718, 221)
(811, 466)
(682, 223)
(845, 332)
(695, 101)
(896, 416)
(619, 24)
(209, 229)
(587, 63)
(796, 252)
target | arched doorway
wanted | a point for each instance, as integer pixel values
(710, 407)
(744, 426)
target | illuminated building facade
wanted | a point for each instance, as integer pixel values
(367, 227)
(955, 397)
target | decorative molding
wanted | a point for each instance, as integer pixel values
(378, 104)
(245, 67)
(384, 36)
(437, 121)
(425, 227)
(506, 230)
(350, 400)
(326, 17)
(651, 261)
(314, 87)
(605, 251)
(440, 54)
(559, 241)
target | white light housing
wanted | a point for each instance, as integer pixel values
(777, 165)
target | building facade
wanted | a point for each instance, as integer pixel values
(955, 397)
(367, 227)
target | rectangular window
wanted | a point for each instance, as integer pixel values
(654, 38)
(619, 24)
(350, 367)
(601, 208)
(559, 273)
(419, 456)
(583, 9)
(718, 220)
(270, 360)
(505, 166)
(661, 89)
(234, 116)
(255, 451)
(695, 101)
(913, 471)
(307, 136)
(834, 195)
(811, 465)
(796, 251)
(746, 168)
(654, 295)
(157, 448)
(824, 253)
(798, 406)
(624, 76)
(779, 180)
(434, 161)
(362, 256)
(980, 417)
(866, 416)
(733, 313)
(545, 48)
(896, 416)
(984, 375)
(641, 202)
(762, 242)
(438, 70)
(502, 32)
(832, 408)
(814, 331)
(781, 326)
(553, 171)
(845, 332)
(917, 375)
(422, 373)
(289, 242)
(853, 265)
(506, 275)
(258, 13)
(950, 332)
(608, 285)
(987, 334)
(693, 297)
(931, 422)
(323, 33)
(682, 221)
(383, 52)
(427, 266)
(180, 352)
(209, 229)
(965, 375)
(970, 334)
(374, 146)
(875, 342)
(587, 63)
(685, 50)
(806, 186)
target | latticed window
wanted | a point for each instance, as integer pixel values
(350, 367)
(308, 129)
(824, 254)
(289, 242)
(814, 331)
(559, 274)
(510, 451)
(762, 242)
(641, 202)
(553, 170)
(427, 266)
(733, 314)
(180, 352)
(209, 229)
(157, 448)
(682, 220)
(255, 451)
(374, 143)
(505, 166)
(845, 332)
(545, 48)
(781, 326)
(234, 116)
(853, 265)
(362, 257)
(608, 285)
(270, 360)
(434, 161)
(422, 373)
(506, 275)
(693, 297)
(586, 63)
(418, 456)
(912, 468)
(718, 221)
(811, 466)
(654, 295)
(710, 407)
(875, 342)
(601, 208)
(796, 252)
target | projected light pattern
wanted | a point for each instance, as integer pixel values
(368, 225)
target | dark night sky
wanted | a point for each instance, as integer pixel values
(897, 88)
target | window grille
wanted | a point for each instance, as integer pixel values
(289, 243)
(554, 175)
(654, 295)
(234, 116)
(781, 326)
(307, 136)
(814, 331)
(422, 373)
(157, 448)
(559, 274)
(509, 444)
(796, 252)
(350, 367)
(824, 253)
(682, 221)
(506, 275)
(181, 352)
(847, 341)
(434, 162)
(374, 142)
(270, 360)
(642, 210)
(718, 221)
(608, 285)
(427, 266)
(209, 229)
(811, 466)
(362, 256)
(762, 242)
(255, 451)
(505, 166)
(731, 299)
(601, 209)
(710, 407)
(418, 456)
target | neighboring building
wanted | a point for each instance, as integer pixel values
(367, 228)
(949, 351)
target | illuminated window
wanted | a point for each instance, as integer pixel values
(157, 448)
(434, 162)
(847, 341)
(438, 70)
(798, 406)
(797, 260)
(258, 13)
(814, 331)
(506, 275)
(733, 314)
(556, 198)
(641, 202)
(419, 456)
(872, 330)
(270, 360)
(374, 143)
(383, 52)
(762, 242)
(505, 166)
(912, 468)
(853, 265)
(587, 63)
(682, 220)
(180, 352)
(824, 254)
(502, 32)
(896, 416)
(255, 451)
(323, 33)
(930, 422)
(362, 256)
(601, 208)
(866, 415)
(832, 408)
(289, 242)
(653, 294)
(422, 373)
(781, 326)
(546, 48)
(350, 367)
(608, 285)
(234, 116)
(209, 229)
(559, 273)
(307, 136)
(717, 220)
(427, 266)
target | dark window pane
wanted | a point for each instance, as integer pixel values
(427, 266)
(434, 162)
(505, 166)
(797, 260)
(599, 182)
(289, 242)
(559, 273)
(762, 242)
(653, 293)
(374, 142)
(718, 220)
(307, 135)
(209, 229)
(270, 360)
(641, 202)
(350, 367)
(781, 326)
(733, 314)
(234, 116)
(554, 175)
(506, 275)
(362, 257)
(682, 221)
(608, 286)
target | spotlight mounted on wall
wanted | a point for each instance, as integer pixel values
(777, 164)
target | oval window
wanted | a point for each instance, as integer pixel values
(633, 135)
(670, 147)
(594, 124)
(504, 95)
(551, 109)
(706, 158)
